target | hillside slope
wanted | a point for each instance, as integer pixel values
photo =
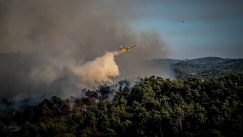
(203, 67)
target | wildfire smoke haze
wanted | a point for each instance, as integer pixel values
(67, 44)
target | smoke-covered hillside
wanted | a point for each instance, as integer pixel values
(26, 79)
(25, 75)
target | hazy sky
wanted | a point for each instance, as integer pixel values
(210, 27)
(186, 28)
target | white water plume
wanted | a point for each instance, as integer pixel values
(100, 70)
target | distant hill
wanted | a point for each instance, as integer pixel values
(203, 67)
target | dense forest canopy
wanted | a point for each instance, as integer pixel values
(152, 107)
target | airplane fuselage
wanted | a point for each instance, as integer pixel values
(126, 49)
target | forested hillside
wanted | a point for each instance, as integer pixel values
(202, 67)
(153, 107)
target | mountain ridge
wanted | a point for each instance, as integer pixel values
(204, 67)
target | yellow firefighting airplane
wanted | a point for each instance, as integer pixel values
(126, 49)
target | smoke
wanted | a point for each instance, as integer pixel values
(100, 70)
(59, 47)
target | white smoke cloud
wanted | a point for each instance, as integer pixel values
(100, 70)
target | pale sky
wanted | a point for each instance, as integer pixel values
(210, 27)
